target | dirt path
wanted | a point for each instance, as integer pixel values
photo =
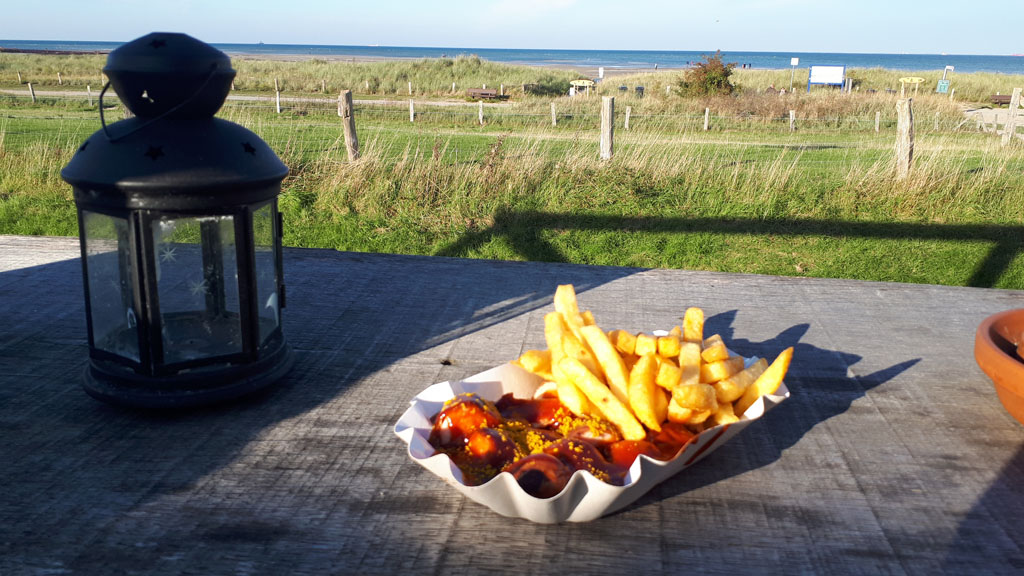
(987, 115)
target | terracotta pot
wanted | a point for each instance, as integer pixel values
(995, 350)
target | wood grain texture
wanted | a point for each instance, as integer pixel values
(893, 455)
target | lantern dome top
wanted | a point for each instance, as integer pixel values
(167, 72)
(174, 155)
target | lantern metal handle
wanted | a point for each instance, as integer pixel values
(103, 121)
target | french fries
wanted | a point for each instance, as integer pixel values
(538, 362)
(566, 305)
(693, 325)
(640, 381)
(689, 363)
(645, 345)
(668, 346)
(611, 362)
(730, 389)
(669, 373)
(599, 394)
(714, 349)
(643, 392)
(767, 383)
(715, 371)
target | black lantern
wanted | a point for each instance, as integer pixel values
(180, 234)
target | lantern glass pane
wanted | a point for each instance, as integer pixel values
(197, 283)
(111, 292)
(266, 270)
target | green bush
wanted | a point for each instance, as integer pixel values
(710, 77)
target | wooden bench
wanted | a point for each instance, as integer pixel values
(1000, 99)
(484, 94)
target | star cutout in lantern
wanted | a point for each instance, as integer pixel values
(248, 148)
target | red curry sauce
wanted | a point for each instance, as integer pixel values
(541, 443)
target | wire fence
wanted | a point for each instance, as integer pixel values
(309, 126)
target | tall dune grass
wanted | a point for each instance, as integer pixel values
(433, 77)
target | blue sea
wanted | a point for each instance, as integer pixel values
(609, 59)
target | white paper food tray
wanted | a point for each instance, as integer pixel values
(584, 498)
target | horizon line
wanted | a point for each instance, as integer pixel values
(724, 51)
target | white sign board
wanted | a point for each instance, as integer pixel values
(828, 75)
(794, 61)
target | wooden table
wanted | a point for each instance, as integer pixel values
(892, 456)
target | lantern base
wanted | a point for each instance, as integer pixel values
(115, 385)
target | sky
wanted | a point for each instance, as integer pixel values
(867, 26)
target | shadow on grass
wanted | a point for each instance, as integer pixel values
(523, 231)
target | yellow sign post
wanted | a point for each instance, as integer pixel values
(915, 80)
(582, 85)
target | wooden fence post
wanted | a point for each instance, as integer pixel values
(607, 127)
(323, 85)
(501, 91)
(1010, 128)
(32, 92)
(60, 81)
(19, 78)
(410, 88)
(348, 122)
(878, 120)
(554, 118)
(792, 120)
(366, 85)
(277, 91)
(629, 111)
(88, 90)
(412, 111)
(481, 114)
(707, 119)
(453, 87)
(904, 137)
